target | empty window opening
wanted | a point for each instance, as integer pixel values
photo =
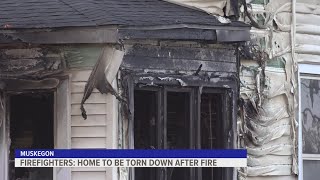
(211, 129)
(179, 119)
(145, 130)
(31, 127)
(178, 129)
(145, 116)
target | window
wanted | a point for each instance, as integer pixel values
(37, 119)
(31, 127)
(180, 118)
(309, 143)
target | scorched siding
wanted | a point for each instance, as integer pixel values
(268, 90)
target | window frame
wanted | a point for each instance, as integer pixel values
(228, 87)
(167, 89)
(62, 123)
(305, 71)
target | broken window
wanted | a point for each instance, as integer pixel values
(145, 128)
(211, 129)
(180, 118)
(31, 127)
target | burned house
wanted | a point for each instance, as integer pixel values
(142, 74)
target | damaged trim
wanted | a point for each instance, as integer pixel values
(103, 74)
(184, 81)
(115, 34)
(23, 84)
(215, 35)
(172, 34)
(64, 36)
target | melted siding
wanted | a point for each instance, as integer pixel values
(268, 111)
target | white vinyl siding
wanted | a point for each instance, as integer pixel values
(97, 131)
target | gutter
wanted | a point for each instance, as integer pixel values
(188, 32)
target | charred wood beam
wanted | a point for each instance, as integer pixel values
(4, 39)
(174, 34)
(33, 63)
(132, 62)
(213, 35)
(65, 36)
(81, 35)
(185, 53)
(178, 80)
(23, 84)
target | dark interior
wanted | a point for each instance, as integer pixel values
(31, 127)
(176, 128)
(211, 130)
(145, 119)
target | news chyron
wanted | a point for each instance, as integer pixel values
(129, 158)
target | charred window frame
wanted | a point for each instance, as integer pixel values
(227, 90)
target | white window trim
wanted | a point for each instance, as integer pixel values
(305, 71)
(62, 124)
(309, 69)
(314, 157)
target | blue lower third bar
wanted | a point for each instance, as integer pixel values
(128, 153)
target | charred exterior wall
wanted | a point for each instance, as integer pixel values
(183, 58)
(32, 63)
(43, 67)
(177, 64)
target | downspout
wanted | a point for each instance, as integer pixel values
(295, 65)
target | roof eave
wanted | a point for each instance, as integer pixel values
(114, 34)
(75, 35)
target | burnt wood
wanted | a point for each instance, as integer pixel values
(180, 59)
(177, 64)
(24, 85)
(177, 34)
(196, 53)
(32, 63)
